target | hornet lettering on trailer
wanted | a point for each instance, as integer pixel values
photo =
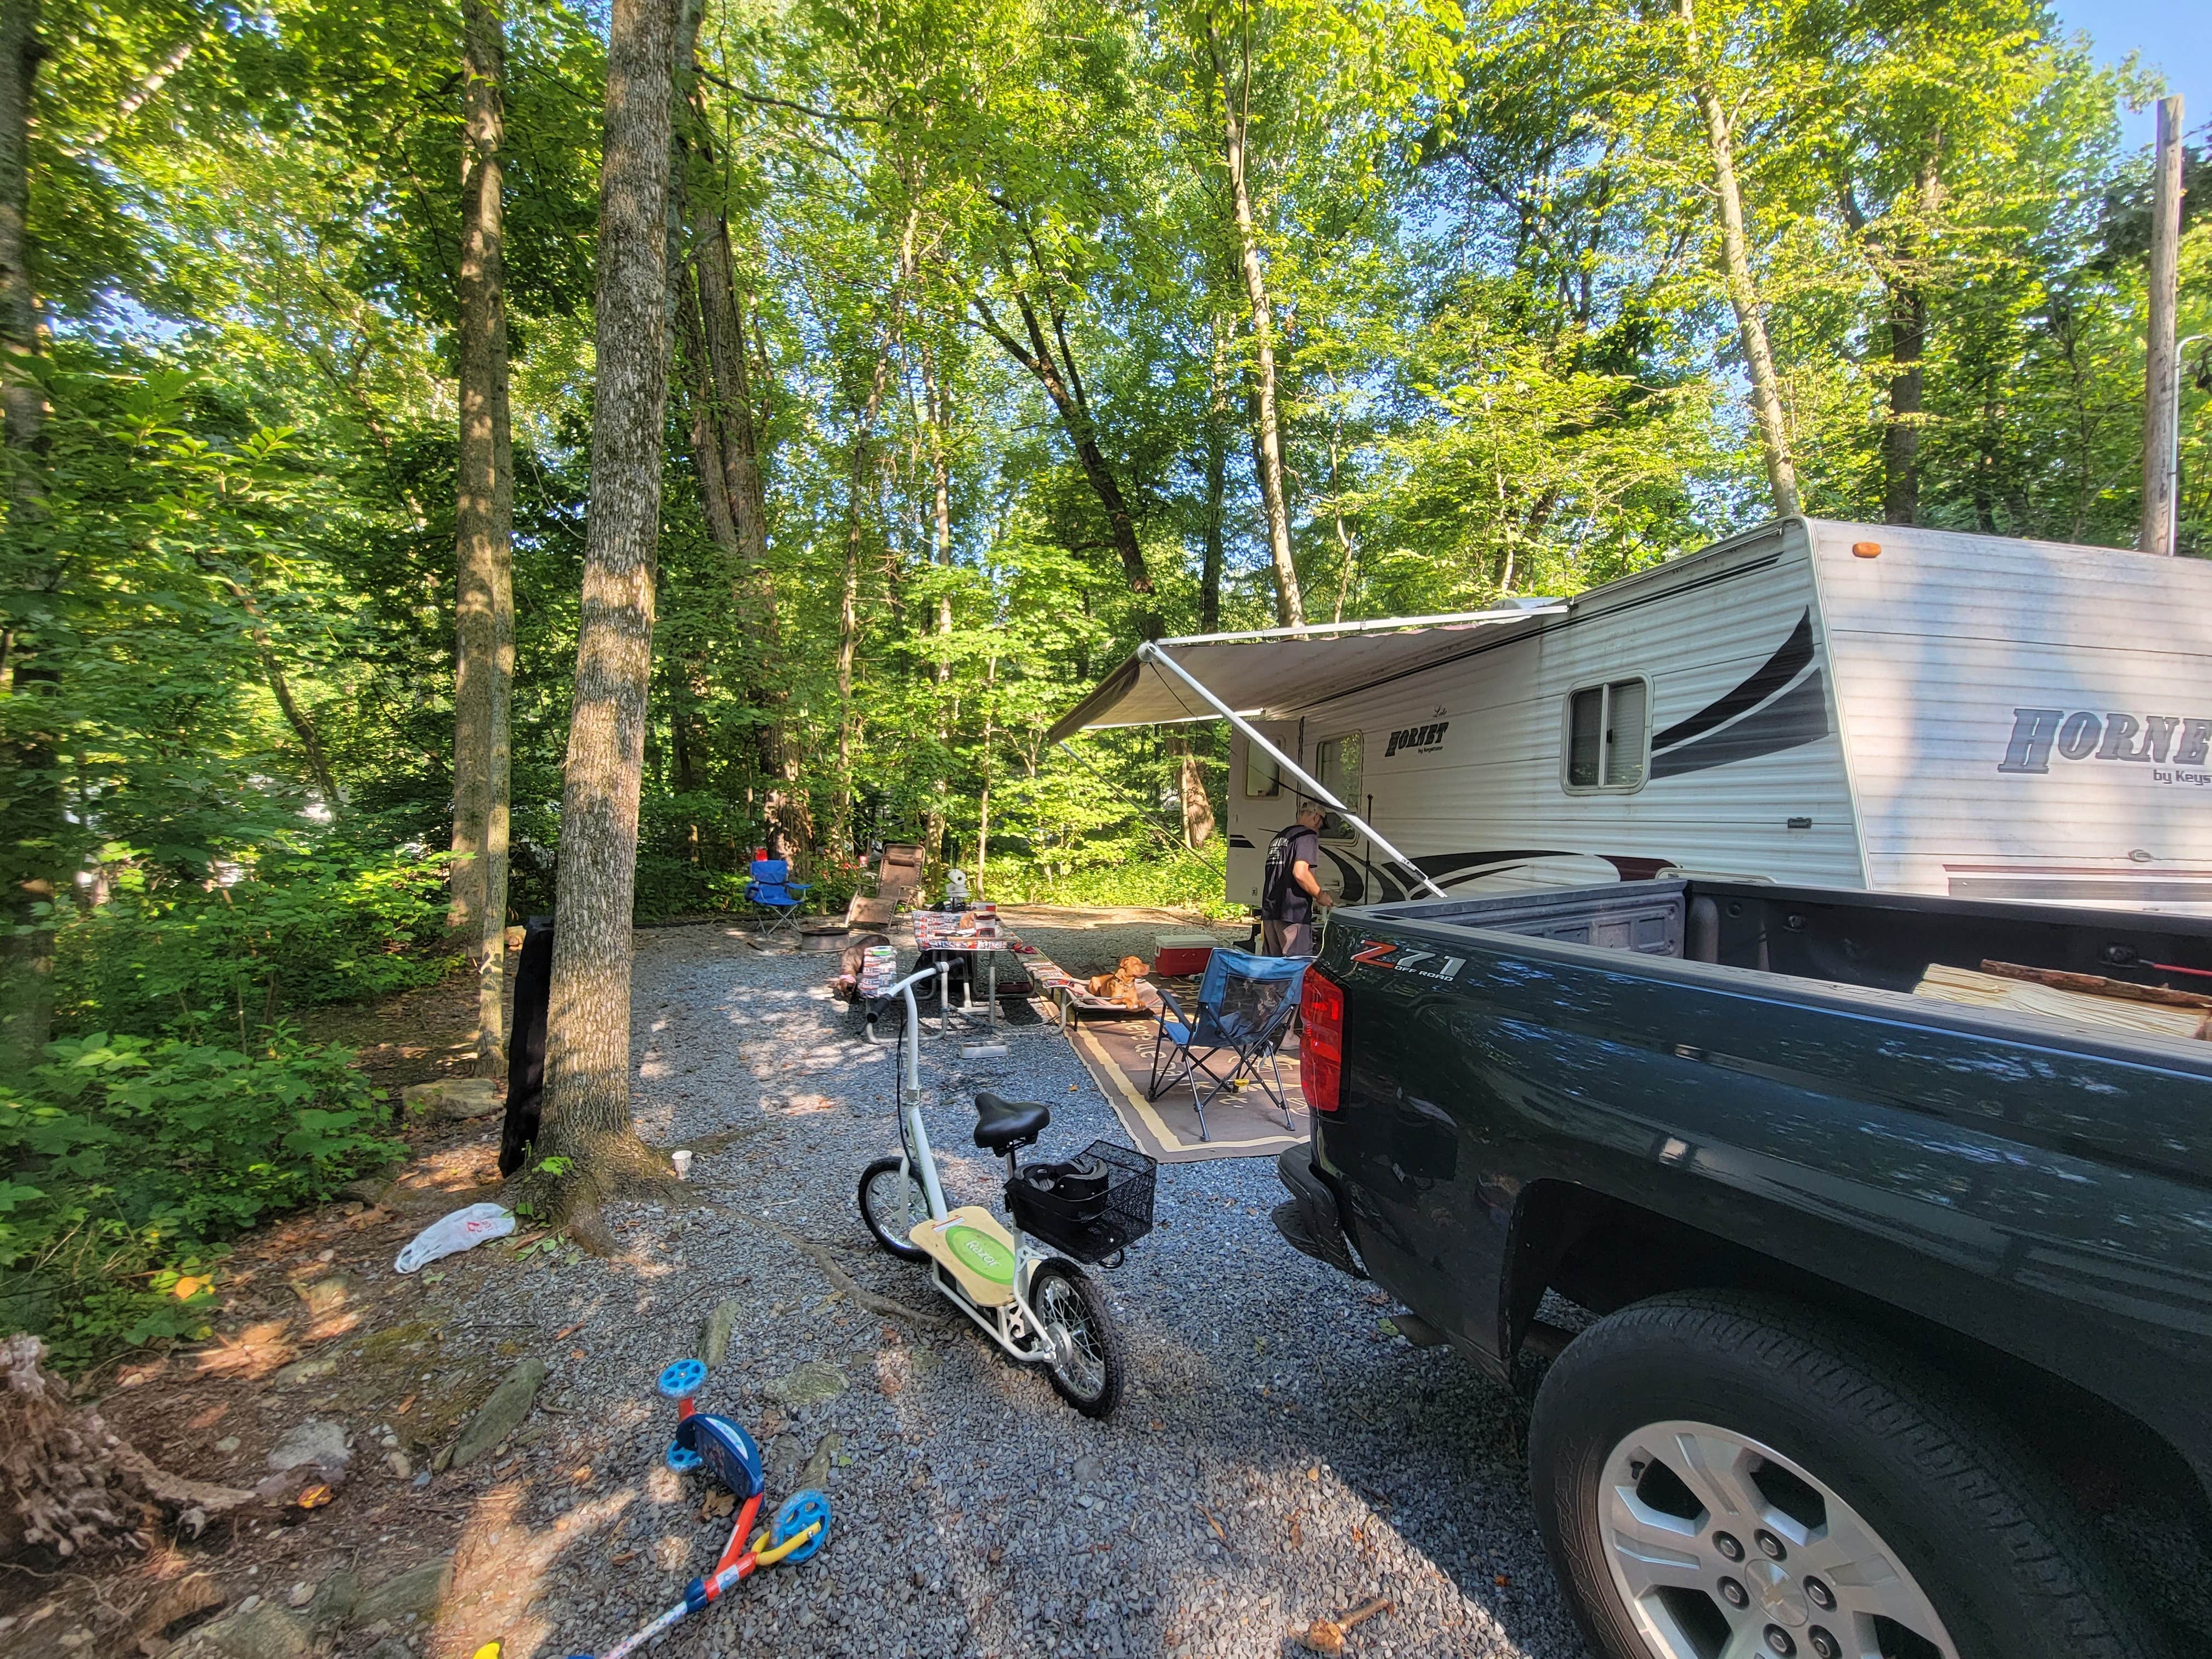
(2084, 734)
(1408, 962)
(1419, 738)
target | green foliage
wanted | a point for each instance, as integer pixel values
(126, 1163)
(1137, 871)
(294, 930)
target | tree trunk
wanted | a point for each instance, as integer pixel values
(587, 1112)
(1900, 436)
(31, 818)
(22, 402)
(1190, 784)
(848, 611)
(1742, 289)
(1343, 548)
(1063, 384)
(1217, 481)
(983, 806)
(934, 403)
(1268, 442)
(733, 394)
(1908, 343)
(483, 517)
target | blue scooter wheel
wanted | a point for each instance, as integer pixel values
(681, 1380)
(799, 1511)
(682, 1458)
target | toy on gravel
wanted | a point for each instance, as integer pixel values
(1038, 1306)
(723, 1449)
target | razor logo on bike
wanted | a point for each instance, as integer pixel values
(1379, 955)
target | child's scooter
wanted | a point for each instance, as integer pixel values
(727, 1452)
(1043, 1309)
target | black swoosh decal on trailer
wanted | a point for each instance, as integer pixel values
(1776, 672)
(1799, 716)
(1398, 884)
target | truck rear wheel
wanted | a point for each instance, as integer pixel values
(1722, 1475)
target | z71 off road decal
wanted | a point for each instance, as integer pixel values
(1408, 962)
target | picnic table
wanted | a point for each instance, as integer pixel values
(941, 931)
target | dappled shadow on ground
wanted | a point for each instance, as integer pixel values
(1276, 1459)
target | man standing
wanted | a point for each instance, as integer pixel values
(1289, 888)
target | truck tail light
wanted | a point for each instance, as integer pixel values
(1321, 1044)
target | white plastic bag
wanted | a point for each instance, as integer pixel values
(464, 1230)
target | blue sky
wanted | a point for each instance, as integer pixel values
(2174, 36)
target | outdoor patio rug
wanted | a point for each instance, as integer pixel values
(1244, 1122)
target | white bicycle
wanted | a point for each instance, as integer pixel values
(1041, 1307)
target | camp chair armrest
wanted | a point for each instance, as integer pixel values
(1169, 1008)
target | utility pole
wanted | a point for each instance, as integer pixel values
(2162, 366)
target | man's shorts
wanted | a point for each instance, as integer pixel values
(1286, 939)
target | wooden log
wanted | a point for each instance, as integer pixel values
(2095, 985)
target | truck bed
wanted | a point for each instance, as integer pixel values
(1871, 941)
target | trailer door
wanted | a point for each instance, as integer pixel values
(1260, 802)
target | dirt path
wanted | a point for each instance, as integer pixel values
(1278, 1457)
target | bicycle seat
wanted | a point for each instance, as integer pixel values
(1003, 1125)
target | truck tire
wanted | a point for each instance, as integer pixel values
(1731, 1473)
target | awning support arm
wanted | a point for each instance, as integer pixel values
(1153, 653)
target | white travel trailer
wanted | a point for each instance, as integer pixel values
(1846, 705)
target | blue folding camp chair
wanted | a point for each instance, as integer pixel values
(775, 896)
(1245, 1004)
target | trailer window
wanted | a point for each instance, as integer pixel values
(1336, 763)
(1263, 779)
(1608, 727)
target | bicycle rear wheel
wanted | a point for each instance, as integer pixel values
(1086, 1365)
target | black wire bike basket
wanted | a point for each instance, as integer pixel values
(1093, 1206)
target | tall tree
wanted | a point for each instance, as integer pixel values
(1267, 432)
(21, 401)
(30, 804)
(1053, 368)
(587, 1112)
(1736, 265)
(483, 526)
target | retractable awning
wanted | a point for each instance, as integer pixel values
(1277, 674)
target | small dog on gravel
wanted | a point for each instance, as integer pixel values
(1120, 985)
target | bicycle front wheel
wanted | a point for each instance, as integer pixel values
(892, 1214)
(1086, 1363)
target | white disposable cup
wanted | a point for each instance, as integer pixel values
(683, 1165)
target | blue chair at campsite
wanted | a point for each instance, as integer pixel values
(1245, 1005)
(775, 896)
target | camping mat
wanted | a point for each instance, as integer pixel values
(1244, 1122)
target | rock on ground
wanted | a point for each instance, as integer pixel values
(418, 1591)
(318, 1442)
(452, 1098)
(500, 1416)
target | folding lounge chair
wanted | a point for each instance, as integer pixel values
(1245, 1004)
(775, 896)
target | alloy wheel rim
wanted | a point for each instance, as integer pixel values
(1076, 1355)
(1721, 1547)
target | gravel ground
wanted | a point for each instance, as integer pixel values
(1276, 1458)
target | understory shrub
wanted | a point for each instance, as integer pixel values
(126, 1161)
(1168, 878)
(223, 959)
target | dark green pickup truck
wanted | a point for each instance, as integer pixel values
(1856, 1303)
